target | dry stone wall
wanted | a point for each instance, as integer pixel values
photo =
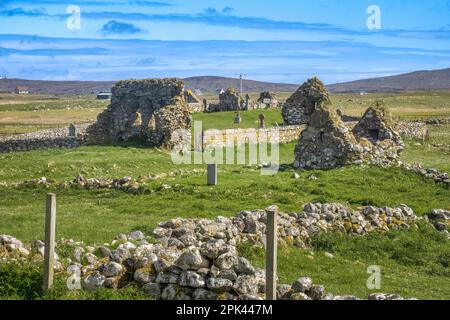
(197, 259)
(412, 130)
(45, 139)
(231, 137)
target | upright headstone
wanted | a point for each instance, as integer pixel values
(49, 251)
(247, 102)
(262, 121)
(271, 253)
(237, 118)
(212, 174)
(72, 130)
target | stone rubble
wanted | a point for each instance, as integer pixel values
(441, 220)
(126, 184)
(429, 173)
(198, 258)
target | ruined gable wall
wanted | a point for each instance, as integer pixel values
(301, 105)
(134, 108)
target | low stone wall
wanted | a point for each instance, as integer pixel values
(442, 121)
(231, 137)
(406, 129)
(198, 259)
(412, 129)
(45, 139)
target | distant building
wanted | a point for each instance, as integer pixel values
(22, 90)
(104, 96)
(363, 93)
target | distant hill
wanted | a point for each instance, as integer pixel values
(204, 84)
(215, 84)
(56, 87)
(414, 81)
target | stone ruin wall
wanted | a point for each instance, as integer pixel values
(198, 259)
(267, 100)
(231, 137)
(327, 143)
(60, 138)
(148, 109)
(44, 139)
(151, 109)
(228, 101)
(299, 108)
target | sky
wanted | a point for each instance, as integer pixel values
(270, 40)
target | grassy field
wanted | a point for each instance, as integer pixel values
(413, 262)
(28, 113)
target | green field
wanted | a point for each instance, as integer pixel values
(413, 262)
(28, 113)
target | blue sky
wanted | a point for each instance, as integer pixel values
(279, 41)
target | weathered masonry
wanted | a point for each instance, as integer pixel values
(148, 109)
(232, 137)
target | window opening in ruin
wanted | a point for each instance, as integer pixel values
(321, 136)
(374, 134)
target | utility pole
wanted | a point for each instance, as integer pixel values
(238, 118)
(240, 78)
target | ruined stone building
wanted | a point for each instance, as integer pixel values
(267, 100)
(194, 102)
(376, 125)
(376, 128)
(301, 105)
(229, 100)
(327, 143)
(148, 109)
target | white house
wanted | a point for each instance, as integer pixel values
(22, 90)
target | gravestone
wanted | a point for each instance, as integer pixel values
(212, 174)
(72, 130)
(237, 118)
(262, 121)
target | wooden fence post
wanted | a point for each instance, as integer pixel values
(271, 253)
(49, 252)
(212, 174)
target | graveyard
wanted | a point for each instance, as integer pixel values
(349, 191)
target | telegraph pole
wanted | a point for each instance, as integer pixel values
(238, 118)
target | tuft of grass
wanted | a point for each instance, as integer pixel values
(413, 263)
(24, 282)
